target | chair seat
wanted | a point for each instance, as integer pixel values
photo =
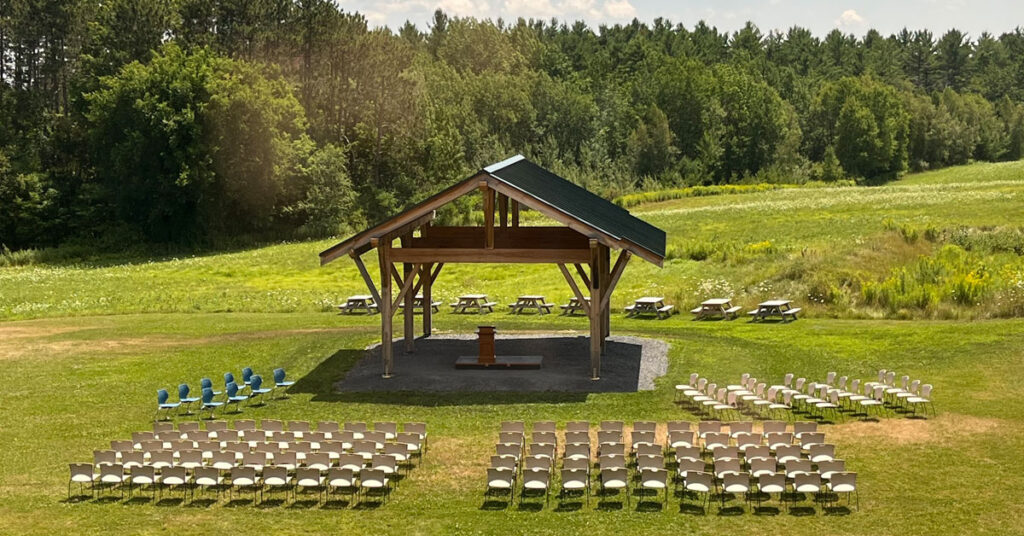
(144, 480)
(245, 481)
(111, 479)
(207, 481)
(737, 488)
(701, 488)
(614, 484)
(500, 484)
(172, 480)
(82, 479)
(574, 484)
(841, 488)
(535, 485)
(341, 483)
(308, 482)
(283, 384)
(773, 488)
(374, 483)
(807, 488)
(653, 484)
(917, 400)
(277, 481)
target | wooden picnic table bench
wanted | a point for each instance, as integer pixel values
(473, 302)
(417, 305)
(573, 306)
(649, 305)
(716, 307)
(530, 302)
(771, 308)
(358, 303)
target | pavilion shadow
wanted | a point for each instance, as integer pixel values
(428, 376)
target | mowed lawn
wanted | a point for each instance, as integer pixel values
(791, 242)
(73, 384)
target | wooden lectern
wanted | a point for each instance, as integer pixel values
(485, 335)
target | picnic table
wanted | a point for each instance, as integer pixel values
(473, 302)
(417, 305)
(574, 305)
(358, 303)
(722, 307)
(649, 305)
(780, 308)
(530, 302)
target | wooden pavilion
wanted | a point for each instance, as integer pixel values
(593, 227)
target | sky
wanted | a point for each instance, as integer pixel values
(821, 16)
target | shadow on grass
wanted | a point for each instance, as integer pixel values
(202, 502)
(696, 509)
(495, 505)
(336, 504)
(170, 501)
(771, 511)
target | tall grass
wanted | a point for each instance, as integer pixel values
(632, 200)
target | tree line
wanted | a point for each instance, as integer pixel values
(203, 121)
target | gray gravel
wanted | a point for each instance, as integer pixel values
(629, 364)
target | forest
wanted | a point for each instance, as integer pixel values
(201, 123)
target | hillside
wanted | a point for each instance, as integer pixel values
(936, 244)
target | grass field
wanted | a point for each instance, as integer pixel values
(74, 384)
(820, 246)
(84, 346)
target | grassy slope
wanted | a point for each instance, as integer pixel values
(830, 234)
(73, 384)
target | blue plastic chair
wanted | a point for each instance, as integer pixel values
(256, 388)
(163, 405)
(206, 383)
(234, 397)
(208, 403)
(247, 375)
(279, 382)
(185, 400)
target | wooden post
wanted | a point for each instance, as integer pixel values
(515, 213)
(503, 210)
(488, 216)
(409, 331)
(595, 311)
(605, 272)
(428, 311)
(386, 346)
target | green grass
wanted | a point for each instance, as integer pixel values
(819, 246)
(73, 384)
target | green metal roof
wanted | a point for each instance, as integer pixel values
(578, 203)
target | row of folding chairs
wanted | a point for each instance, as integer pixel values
(330, 430)
(252, 388)
(863, 398)
(357, 482)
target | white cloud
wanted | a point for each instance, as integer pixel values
(619, 9)
(850, 19)
(535, 9)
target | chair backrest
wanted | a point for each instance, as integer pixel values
(842, 383)
(190, 456)
(744, 427)
(545, 426)
(542, 476)
(546, 450)
(736, 481)
(510, 438)
(677, 426)
(504, 449)
(225, 459)
(830, 378)
(375, 477)
(228, 378)
(328, 427)
(787, 451)
(104, 457)
(702, 479)
(273, 472)
(650, 461)
(763, 464)
(762, 451)
(536, 462)
(577, 426)
(547, 438)
(577, 450)
(162, 396)
(651, 475)
(614, 474)
(645, 437)
(914, 386)
(503, 462)
(188, 426)
(854, 385)
(278, 375)
(231, 388)
(183, 391)
(798, 466)
(705, 427)
(272, 425)
(514, 426)
(648, 449)
(578, 476)
(383, 460)
(693, 379)
(609, 436)
(416, 428)
(770, 426)
(830, 467)
(727, 464)
(687, 466)
(376, 436)
(351, 461)
(844, 479)
(216, 426)
(577, 437)
(496, 474)
(926, 390)
(576, 463)
(644, 426)
(338, 476)
(386, 427)
(801, 427)
(788, 379)
(722, 453)
(307, 476)
(611, 461)
(701, 383)
(256, 381)
(748, 439)
(716, 438)
(812, 438)
(688, 452)
(615, 426)
(680, 438)
(359, 427)
(806, 479)
(247, 374)
(205, 383)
